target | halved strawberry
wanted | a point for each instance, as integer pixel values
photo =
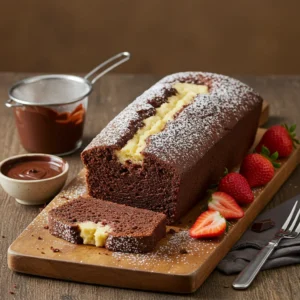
(225, 205)
(208, 225)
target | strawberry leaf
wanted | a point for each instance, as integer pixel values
(285, 126)
(296, 141)
(265, 151)
(274, 156)
(292, 133)
(276, 164)
(225, 172)
(210, 191)
(292, 128)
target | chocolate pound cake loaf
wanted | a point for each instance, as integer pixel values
(164, 150)
(104, 224)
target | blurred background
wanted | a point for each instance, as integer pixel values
(164, 36)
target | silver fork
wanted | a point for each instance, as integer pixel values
(246, 277)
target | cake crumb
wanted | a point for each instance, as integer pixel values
(46, 227)
(54, 249)
(171, 231)
(11, 292)
(39, 238)
(42, 252)
(3, 236)
(183, 251)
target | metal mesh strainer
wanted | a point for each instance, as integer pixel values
(57, 129)
(54, 89)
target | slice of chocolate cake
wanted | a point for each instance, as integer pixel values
(105, 224)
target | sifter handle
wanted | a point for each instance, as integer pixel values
(124, 55)
(11, 103)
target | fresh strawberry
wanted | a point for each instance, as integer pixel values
(280, 138)
(259, 168)
(225, 205)
(237, 186)
(208, 225)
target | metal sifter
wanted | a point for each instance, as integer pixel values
(50, 109)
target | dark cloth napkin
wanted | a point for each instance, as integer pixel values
(286, 253)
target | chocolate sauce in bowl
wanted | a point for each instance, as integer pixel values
(32, 168)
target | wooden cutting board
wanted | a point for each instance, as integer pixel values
(264, 113)
(165, 269)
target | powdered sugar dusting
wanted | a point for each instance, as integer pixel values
(188, 137)
(118, 127)
(177, 249)
(185, 140)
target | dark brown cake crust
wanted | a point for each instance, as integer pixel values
(134, 230)
(213, 132)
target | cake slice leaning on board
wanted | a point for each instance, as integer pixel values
(104, 224)
(164, 150)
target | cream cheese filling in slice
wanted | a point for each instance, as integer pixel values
(186, 93)
(94, 233)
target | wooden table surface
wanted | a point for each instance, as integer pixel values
(110, 96)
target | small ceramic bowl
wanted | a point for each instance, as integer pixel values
(33, 192)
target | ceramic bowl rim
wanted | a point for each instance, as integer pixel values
(65, 166)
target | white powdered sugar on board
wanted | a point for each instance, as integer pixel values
(196, 127)
(178, 249)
